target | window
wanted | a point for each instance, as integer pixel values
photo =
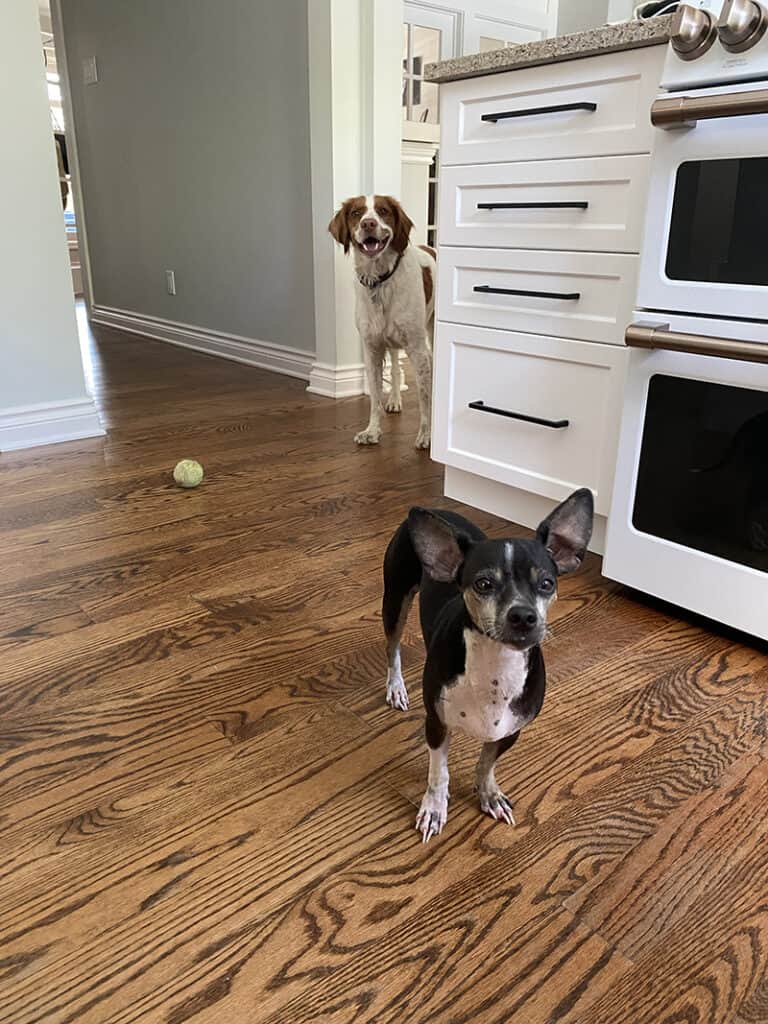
(421, 46)
(719, 222)
(701, 480)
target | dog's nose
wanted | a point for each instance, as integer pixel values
(369, 224)
(522, 617)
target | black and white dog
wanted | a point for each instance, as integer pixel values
(483, 607)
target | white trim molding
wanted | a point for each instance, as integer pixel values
(337, 381)
(62, 64)
(415, 152)
(346, 381)
(292, 362)
(49, 423)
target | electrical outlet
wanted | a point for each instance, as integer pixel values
(90, 71)
(170, 282)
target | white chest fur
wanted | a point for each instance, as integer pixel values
(478, 702)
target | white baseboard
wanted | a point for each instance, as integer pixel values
(337, 381)
(48, 423)
(292, 362)
(346, 381)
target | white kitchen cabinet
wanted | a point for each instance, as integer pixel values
(539, 234)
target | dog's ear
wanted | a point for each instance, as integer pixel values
(440, 548)
(339, 227)
(566, 532)
(402, 227)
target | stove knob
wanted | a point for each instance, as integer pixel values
(742, 24)
(693, 32)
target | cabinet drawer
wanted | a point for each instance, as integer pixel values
(599, 106)
(575, 295)
(543, 378)
(595, 205)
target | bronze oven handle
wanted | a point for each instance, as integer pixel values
(639, 336)
(683, 111)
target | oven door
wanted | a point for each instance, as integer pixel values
(706, 236)
(689, 518)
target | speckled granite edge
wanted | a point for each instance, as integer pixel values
(627, 35)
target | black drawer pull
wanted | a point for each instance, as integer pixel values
(487, 290)
(554, 424)
(504, 115)
(533, 206)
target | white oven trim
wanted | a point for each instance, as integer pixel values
(723, 139)
(736, 595)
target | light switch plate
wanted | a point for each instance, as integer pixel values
(90, 71)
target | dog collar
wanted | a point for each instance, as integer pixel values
(375, 282)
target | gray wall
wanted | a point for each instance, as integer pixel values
(194, 156)
(576, 15)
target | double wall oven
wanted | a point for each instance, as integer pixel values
(689, 520)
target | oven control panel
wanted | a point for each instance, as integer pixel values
(717, 42)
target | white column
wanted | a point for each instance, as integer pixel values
(355, 53)
(43, 396)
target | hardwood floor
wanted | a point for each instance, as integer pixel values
(206, 809)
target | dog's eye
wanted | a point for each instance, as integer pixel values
(483, 585)
(546, 585)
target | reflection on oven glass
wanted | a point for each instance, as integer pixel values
(703, 474)
(719, 223)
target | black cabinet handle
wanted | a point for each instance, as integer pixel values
(553, 424)
(533, 206)
(487, 290)
(504, 115)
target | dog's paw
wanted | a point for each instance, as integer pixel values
(423, 439)
(368, 436)
(394, 404)
(432, 815)
(498, 806)
(397, 695)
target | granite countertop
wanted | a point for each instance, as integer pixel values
(627, 35)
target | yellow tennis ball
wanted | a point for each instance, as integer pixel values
(188, 473)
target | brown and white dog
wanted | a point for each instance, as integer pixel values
(394, 302)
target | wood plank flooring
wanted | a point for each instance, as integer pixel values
(206, 809)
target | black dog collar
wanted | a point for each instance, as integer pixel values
(375, 282)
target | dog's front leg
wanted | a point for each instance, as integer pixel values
(492, 799)
(433, 812)
(373, 355)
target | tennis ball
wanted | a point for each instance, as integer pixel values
(188, 473)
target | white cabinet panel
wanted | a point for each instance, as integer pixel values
(565, 204)
(598, 106)
(588, 296)
(542, 378)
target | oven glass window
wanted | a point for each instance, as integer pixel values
(703, 473)
(719, 222)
